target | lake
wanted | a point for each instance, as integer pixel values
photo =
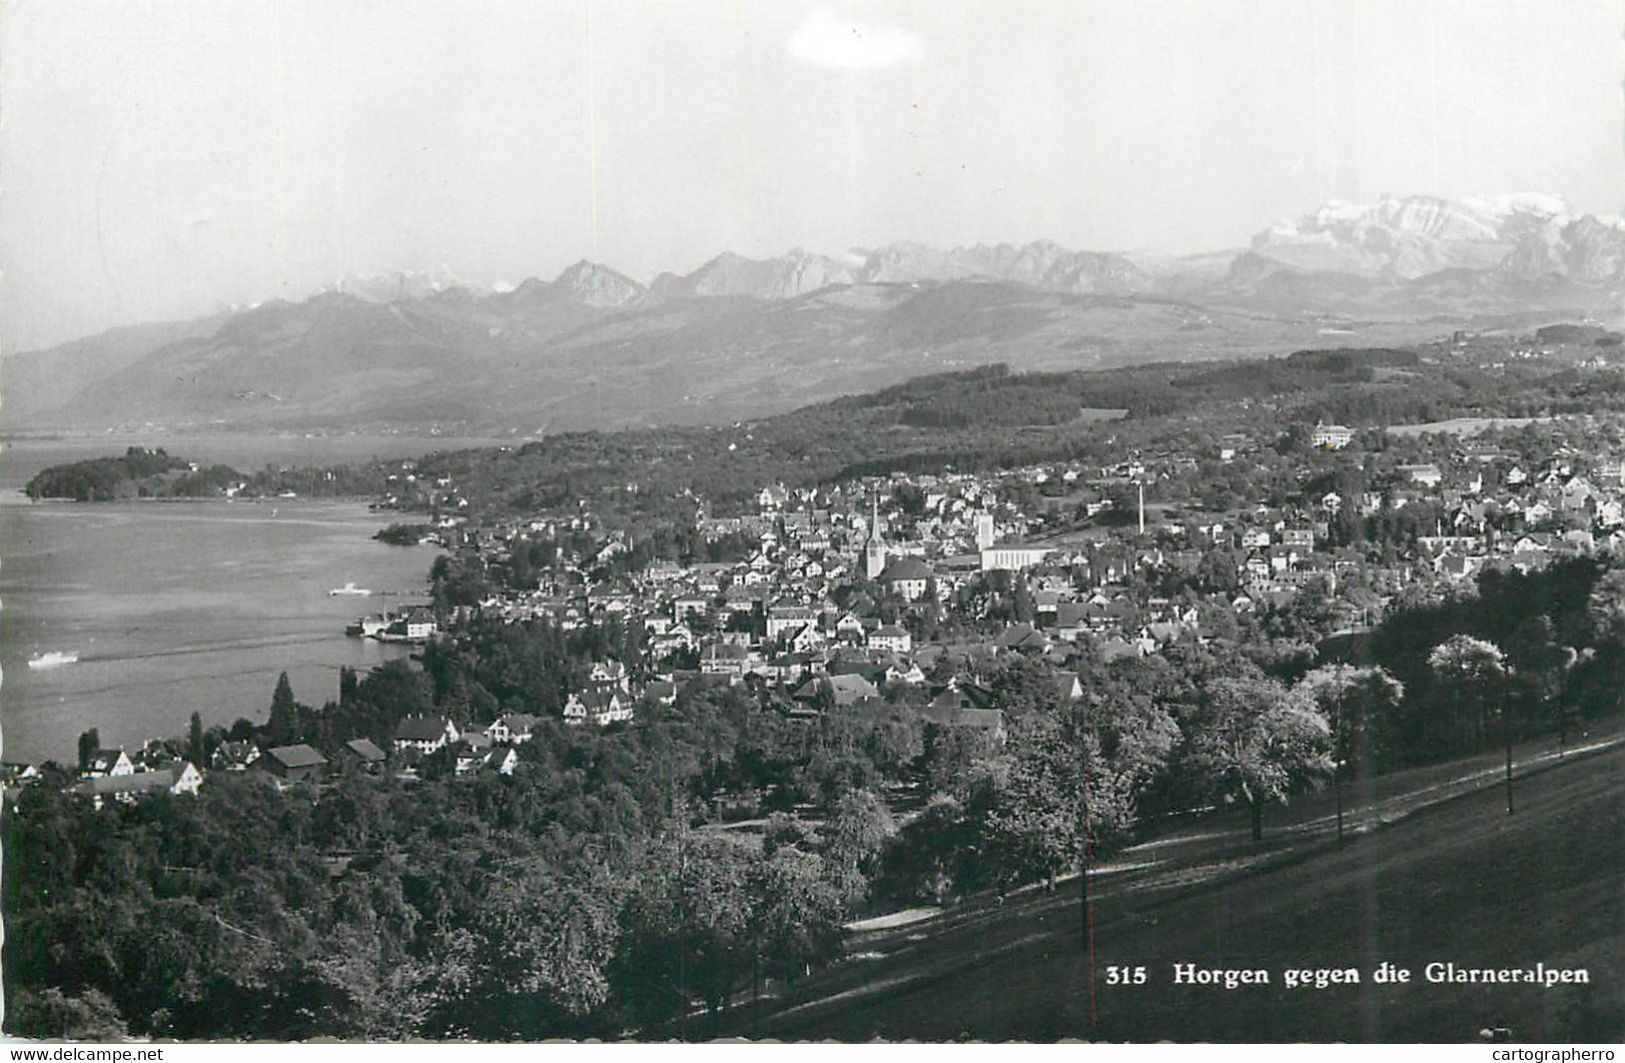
(176, 607)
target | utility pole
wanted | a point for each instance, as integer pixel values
(682, 937)
(1338, 759)
(1337, 785)
(1506, 726)
(1086, 894)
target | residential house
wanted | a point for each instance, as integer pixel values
(891, 638)
(130, 787)
(1427, 474)
(1116, 648)
(849, 626)
(804, 639)
(233, 756)
(600, 705)
(726, 659)
(846, 688)
(295, 763)
(1023, 638)
(684, 606)
(502, 760)
(962, 704)
(512, 728)
(610, 675)
(905, 672)
(1255, 539)
(425, 734)
(362, 753)
(788, 617)
(108, 762)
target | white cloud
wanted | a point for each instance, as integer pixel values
(825, 39)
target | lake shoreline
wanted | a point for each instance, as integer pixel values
(196, 604)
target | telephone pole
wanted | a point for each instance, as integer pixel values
(1506, 727)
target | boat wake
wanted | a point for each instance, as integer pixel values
(53, 659)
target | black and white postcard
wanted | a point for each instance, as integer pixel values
(813, 520)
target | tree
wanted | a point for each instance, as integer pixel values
(1538, 664)
(931, 856)
(1351, 699)
(1605, 608)
(535, 960)
(688, 925)
(1356, 703)
(855, 834)
(796, 913)
(1471, 673)
(194, 742)
(89, 742)
(1475, 671)
(1217, 571)
(784, 830)
(1133, 736)
(950, 754)
(1022, 602)
(1255, 741)
(1034, 826)
(54, 1015)
(283, 726)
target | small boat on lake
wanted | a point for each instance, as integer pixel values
(348, 588)
(53, 659)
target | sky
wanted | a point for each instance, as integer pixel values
(161, 160)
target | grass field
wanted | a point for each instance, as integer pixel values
(1434, 871)
(1462, 426)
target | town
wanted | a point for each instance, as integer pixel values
(908, 688)
(901, 590)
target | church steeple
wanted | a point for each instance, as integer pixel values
(874, 553)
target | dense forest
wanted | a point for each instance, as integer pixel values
(151, 472)
(137, 473)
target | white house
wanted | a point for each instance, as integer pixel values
(512, 728)
(602, 706)
(425, 733)
(891, 638)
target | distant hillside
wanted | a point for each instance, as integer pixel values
(593, 350)
(740, 337)
(992, 417)
(52, 378)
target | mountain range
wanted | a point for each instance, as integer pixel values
(742, 337)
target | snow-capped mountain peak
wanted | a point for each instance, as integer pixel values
(401, 284)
